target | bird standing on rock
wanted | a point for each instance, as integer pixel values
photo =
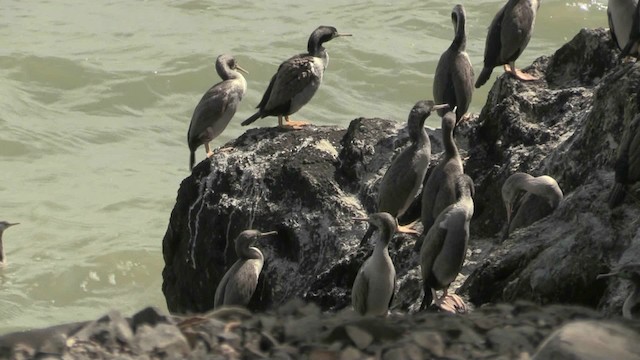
(403, 179)
(453, 81)
(542, 196)
(508, 36)
(4, 226)
(217, 106)
(296, 80)
(624, 25)
(440, 190)
(445, 248)
(239, 282)
(375, 283)
(630, 307)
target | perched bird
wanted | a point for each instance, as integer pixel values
(624, 25)
(440, 190)
(627, 166)
(3, 226)
(453, 81)
(542, 196)
(217, 106)
(631, 272)
(296, 80)
(404, 177)
(375, 283)
(509, 34)
(445, 247)
(240, 281)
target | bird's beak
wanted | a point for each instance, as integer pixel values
(13, 224)
(241, 69)
(343, 34)
(360, 219)
(600, 276)
(440, 106)
(268, 233)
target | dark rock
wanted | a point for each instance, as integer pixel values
(149, 316)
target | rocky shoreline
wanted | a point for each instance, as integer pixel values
(308, 184)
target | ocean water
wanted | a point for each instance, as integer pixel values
(96, 99)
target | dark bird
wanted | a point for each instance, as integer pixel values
(453, 81)
(508, 36)
(373, 289)
(440, 190)
(445, 248)
(4, 226)
(624, 25)
(631, 272)
(542, 195)
(239, 282)
(217, 106)
(296, 80)
(627, 165)
(404, 177)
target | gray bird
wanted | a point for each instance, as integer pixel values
(508, 36)
(440, 190)
(373, 289)
(453, 81)
(631, 272)
(296, 80)
(240, 281)
(445, 247)
(217, 106)
(542, 195)
(627, 165)
(404, 177)
(623, 25)
(4, 226)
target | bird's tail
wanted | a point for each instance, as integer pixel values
(253, 118)
(192, 159)
(427, 299)
(484, 76)
(616, 196)
(367, 236)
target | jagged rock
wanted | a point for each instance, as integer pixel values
(568, 126)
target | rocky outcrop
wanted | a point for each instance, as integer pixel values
(308, 184)
(299, 330)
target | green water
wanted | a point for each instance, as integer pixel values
(96, 100)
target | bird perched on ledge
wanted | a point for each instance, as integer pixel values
(4, 226)
(375, 283)
(217, 106)
(542, 196)
(630, 308)
(296, 80)
(403, 179)
(508, 36)
(453, 80)
(239, 282)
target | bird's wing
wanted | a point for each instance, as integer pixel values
(531, 209)
(462, 80)
(429, 196)
(611, 29)
(218, 299)
(243, 283)
(397, 183)
(431, 247)
(359, 291)
(267, 93)
(451, 256)
(515, 33)
(493, 45)
(293, 76)
(211, 106)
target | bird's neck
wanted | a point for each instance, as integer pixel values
(418, 134)
(631, 301)
(2, 258)
(316, 49)
(460, 39)
(450, 147)
(252, 253)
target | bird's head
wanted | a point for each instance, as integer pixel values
(4, 225)
(630, 271)
(227, 61)
(381, 221)
(420, 112)
(248, 238)
(321, 35)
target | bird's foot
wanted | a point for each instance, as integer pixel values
(406, 229)
(519, 74)
(209, 153)
(452, 303)
(295, 124)
(226, 149)
(465, 117)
